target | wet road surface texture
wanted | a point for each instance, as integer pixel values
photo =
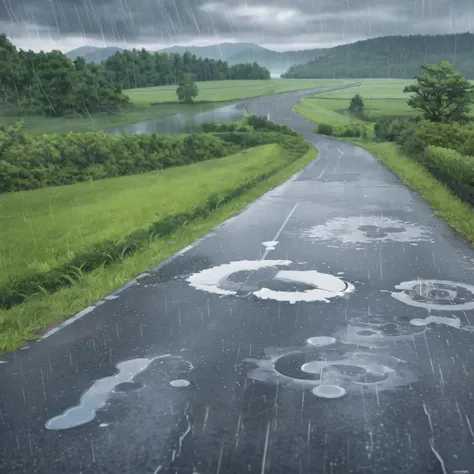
(325, 329)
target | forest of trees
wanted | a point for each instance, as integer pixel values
(53, 85)
(133, 69)
(390, 56)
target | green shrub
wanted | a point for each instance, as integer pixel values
(389, 130)
(30, 162)
(209, 126)
(352, 130)
(453, 169)
(260, 123)
(325, 129)
(415, 138)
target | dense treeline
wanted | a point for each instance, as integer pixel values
(30, 162)
(390, 56)
(53, 85)
(133, 69)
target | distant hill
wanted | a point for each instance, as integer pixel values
(233, 53)
(273, 60)
(93, 54)
(237, 53)
(390, 56)
(221, 51)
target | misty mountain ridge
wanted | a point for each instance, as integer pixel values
(385, 56)
(93, 54)
(390, 57)
(233, 53)
(221, 51)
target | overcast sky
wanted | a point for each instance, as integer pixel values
(276, 24)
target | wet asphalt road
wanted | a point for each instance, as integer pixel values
(194, 381)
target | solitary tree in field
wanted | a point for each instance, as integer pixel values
(187, 89)
(441, 93)
(356, 105)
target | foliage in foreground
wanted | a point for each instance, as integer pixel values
(185, 185)
(29, 162)
(198, 147)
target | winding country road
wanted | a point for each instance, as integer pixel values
(328, 328)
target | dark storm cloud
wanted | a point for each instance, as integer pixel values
(309, 23)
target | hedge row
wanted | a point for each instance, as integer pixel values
(453, 169)
(415, 136)
(353, 129)
(31, 162)
(446, 150)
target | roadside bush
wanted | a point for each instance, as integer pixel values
(30, 162)
(453, 169)
(415, 138)
(352, 130)
(389, 130)
(260, 123)
(209, 126)
(192, 148)
(325, 129)
(257, 121)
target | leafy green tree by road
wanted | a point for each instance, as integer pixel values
(441, 93)
(187, 89)
(356, 106)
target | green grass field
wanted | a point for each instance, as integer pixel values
(41, 228)
(382, 98)
(222, 91)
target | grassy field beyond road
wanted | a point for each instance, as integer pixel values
(40, 229)
(382, 97)
(221, 91)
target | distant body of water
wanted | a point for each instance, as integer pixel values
(185, 122)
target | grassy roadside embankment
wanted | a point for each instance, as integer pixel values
(57, 222)
(153, 102)
(384, 98)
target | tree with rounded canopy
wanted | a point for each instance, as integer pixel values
(356, 105)
(187, 89)
(441, 93)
